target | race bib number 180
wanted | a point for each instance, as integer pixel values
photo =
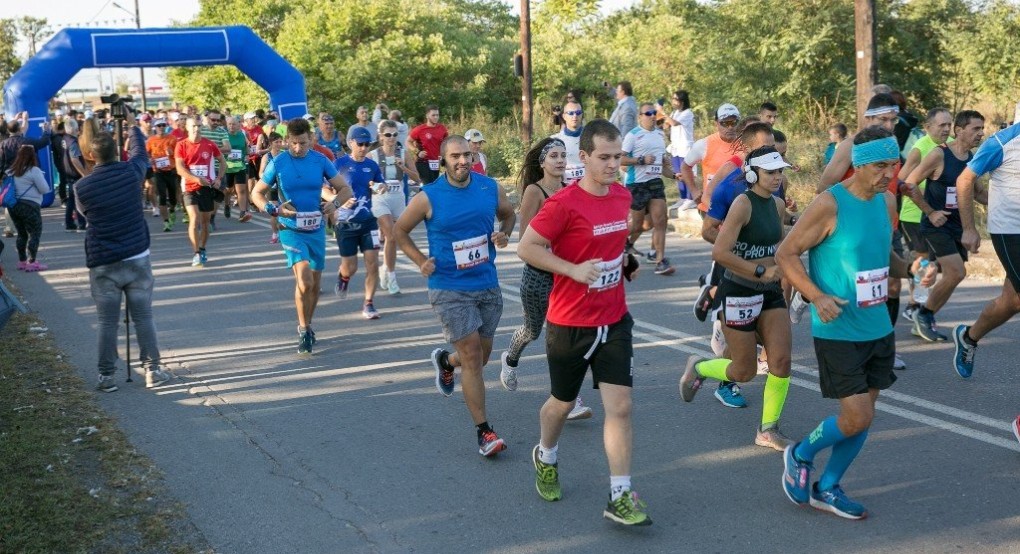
(872, 287)
(471, 252)
(609, 274)
(308, 221)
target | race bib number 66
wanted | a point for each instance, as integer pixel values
(471, 252)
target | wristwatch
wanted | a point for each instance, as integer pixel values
(759, 271)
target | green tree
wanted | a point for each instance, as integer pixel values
(33, 30)
(9, 62)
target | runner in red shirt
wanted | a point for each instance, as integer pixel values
(257, 147)
(426, 138)
(195, 157)
(579, 235)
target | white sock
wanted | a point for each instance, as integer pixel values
(618, 484)
(391, 274)
(547, 455)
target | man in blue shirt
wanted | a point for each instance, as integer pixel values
(357, 228)
(299, 173)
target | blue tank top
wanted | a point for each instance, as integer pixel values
(853, 264)
(459, 233)
(333, 145)
(940, 193)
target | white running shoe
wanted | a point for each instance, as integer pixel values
(383, 281)
(687, 204)
(391, 284)
(508, 374)
(580, 411)
(718, 339)
(898, 363)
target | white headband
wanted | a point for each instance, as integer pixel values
(881, 110)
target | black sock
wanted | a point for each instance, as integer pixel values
(483, 427)
(967, 339)
(444, 360)
(924, 310)
(893, 305)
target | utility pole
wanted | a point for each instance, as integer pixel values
(141, 70)
(526, 99)
(867, 64)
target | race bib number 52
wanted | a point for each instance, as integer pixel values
(872, 287)
(471, 252)
(743, 310)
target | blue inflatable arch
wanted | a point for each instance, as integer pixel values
(71, 50)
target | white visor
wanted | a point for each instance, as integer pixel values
(769, 161)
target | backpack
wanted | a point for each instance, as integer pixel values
(8, 191)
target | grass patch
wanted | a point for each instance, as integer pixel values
(71, 482)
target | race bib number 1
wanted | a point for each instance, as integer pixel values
(609, 275)
(434, 165)
(951, 199)
(308, 221)
(471, 252)
(872, 287)
(743, 310)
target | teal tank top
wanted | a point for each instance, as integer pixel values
(853, 264)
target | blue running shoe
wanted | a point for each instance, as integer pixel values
(305, 341)
(342, 285)
(205, 258)
(836, 501)
(796, 476)
(444, 377)
(924, 326)
(964, 358)
(729, 395)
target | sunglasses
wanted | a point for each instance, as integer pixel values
(363, 144)
(729, 124)
(575, 112)
(649, 114)
(388, 135)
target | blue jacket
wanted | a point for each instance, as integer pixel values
(111, 201)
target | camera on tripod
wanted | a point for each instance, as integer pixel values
(118, 105)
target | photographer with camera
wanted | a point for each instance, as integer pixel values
(117, 250)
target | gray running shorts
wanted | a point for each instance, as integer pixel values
(464, 312)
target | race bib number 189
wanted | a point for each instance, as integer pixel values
(471, 252)
(572, 173)
(872, 287)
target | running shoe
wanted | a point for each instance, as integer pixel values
(173, 218)
(489, 444)
(650, 256)
(369, 311)
(691, 380)
(898, 362)
(383, 278)
(226, 210)
(836, 501)
(185, 219)
(197, 260)
(772, 438)
(687, 204)
(274, 238)
(663, 268)
(340, 289)
(156, 378)
(704, 302)
(1016, 428)
(924, 326)
(155, 211)
(579, 411)
(729, 395)
(391, 285)
(245, 217)
(627, 510)
(205, 257)
(508, 374)
(167, 227)
(796, 476)
(444, 377)
(547, 478)
(908, 312)
(106, 384)
(718, 339)
(797, 307)
(305, 341)
(212, 225)
(763, 365)
(963, 360)
(23, 265)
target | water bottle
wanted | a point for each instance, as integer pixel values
(921, 291)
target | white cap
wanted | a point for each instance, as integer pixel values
(770, 161)
(174, 116)
(726, 110)
(249, 115)
(474, 135)
(308, 116)
(88, 114)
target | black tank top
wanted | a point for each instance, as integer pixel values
(760, 237)
(940, 193)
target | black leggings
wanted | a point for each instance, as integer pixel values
(166, 188)
(535, 288)
(27, 219)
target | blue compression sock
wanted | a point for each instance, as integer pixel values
(825, 435)
(843, 454)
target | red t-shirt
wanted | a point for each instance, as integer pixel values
(179, 134)
(429, 139)
(579, 227)
(324, 151)
(253, 135)
(200, 159)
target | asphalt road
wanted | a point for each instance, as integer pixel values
(353, 449)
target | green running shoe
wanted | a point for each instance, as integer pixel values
(547, 478)
(627, 510)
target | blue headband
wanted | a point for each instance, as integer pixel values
(875, 151)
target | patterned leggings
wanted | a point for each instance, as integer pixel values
(535, 288)
(27, 219)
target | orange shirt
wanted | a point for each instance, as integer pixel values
(161, 152)
(717, 152)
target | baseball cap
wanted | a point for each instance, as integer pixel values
(474, 135)
(308, 116)
(769, 161)
(361, 134)
(250, 115)
(145, 117)
(159, 122)
(726, 110)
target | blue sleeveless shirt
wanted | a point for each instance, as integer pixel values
(459, 233)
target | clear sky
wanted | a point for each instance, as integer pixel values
(153, 13)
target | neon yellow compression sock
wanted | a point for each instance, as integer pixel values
(715, 369)
(774, 399)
